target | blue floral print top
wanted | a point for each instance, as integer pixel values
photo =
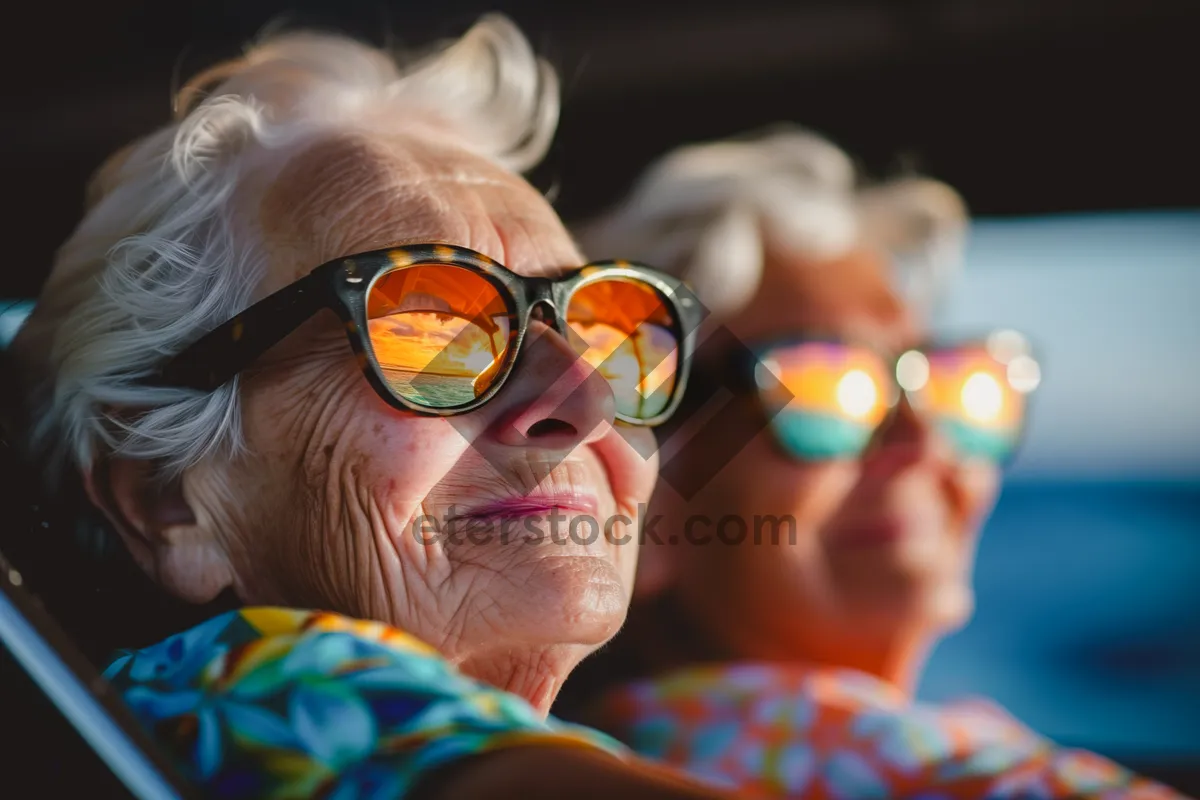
(279, 703)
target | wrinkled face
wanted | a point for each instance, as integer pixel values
(883, 543)
(331, 506)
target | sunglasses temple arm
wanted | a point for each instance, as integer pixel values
(232, 347)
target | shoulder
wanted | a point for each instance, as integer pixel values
(285, 703)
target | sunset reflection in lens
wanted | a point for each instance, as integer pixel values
(624, 328)
(830, 379)
(440, 333)
(968, 384)
(825, 398)
(969, 394)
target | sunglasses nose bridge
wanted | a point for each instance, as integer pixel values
(544, 310)
(539, 298)
(539, 290)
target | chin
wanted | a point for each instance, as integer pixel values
(951, 607)
(574, 598)
(907, 602)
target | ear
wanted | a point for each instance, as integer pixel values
(157, 525)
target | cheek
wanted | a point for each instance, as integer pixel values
(640, 462)
(979, 486)
(329, 437)
(401, 459)
(821, 489)
(332, 483)
(323, 418)
(763, 481)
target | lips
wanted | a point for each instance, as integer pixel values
(531, 486)
(577, 502)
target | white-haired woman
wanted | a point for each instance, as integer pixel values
(815, 535)
(352, 478)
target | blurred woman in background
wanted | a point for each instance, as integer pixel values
(817, 534)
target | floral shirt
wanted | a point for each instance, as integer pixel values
(277, 703)
(784, 732)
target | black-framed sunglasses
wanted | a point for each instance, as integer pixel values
(438, 329)
(826, 397)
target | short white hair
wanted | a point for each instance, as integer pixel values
(157, 260)
(706, 213)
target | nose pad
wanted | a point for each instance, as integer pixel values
(543, 311)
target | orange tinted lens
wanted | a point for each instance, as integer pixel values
(628, 332)
(827, 397)
(440, 333)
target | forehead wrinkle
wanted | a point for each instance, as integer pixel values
(319, 196)
(350, 194)
(502, 215)
(517, 232)
(385, 217)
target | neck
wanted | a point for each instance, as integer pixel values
(535, 675)
(897, 660)
(670, 638)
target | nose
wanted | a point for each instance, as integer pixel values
(554, 399)
(905, 438)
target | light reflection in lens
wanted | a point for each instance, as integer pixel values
(856, 393)
(1005, 345)
(982, 397)
(1024, 374)
(478, 361)
(829, 379)
(912, 371)
(768, 372)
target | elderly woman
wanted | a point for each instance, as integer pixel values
(816, 542)
(404, 495)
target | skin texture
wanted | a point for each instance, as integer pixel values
(319, 509)
(823, 599)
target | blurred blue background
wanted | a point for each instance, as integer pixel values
(1087, 624)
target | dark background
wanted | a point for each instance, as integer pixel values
(1027, 106)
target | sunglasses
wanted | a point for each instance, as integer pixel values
(826, 398)
(437, 329)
